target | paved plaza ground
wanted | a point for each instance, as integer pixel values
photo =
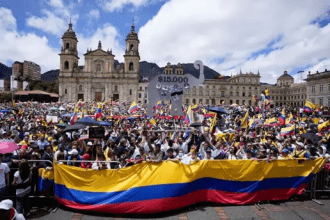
(295, 209)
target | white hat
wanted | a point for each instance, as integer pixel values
(300, 144)
(6, 204)
(89, 143)
(73, 152)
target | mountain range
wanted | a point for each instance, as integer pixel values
(147, 71)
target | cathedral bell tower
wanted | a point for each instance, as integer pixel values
(69, 53)
(132, 57)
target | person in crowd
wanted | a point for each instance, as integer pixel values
(86, 165)
(4, 178)
(73, 158)
(8, 212)
(100, 163)
(22, 181)
(47, 157)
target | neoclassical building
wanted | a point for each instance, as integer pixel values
(286, 92)
(318, 87)
(100, 79)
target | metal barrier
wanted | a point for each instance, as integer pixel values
(54, 208)
(319, 184)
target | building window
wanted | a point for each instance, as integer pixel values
(243, 87)
(80, 88)
(256, 88)
(321, 101)
(130, 92)
(200, 100)
(250, 94)
(98, 67)
(249, 80)
(66, 65)
(194, 92)
(328, 102)
(222, 94)
(231, 93)
(207, 101)
(237, 94)
(243, 94)
(213, 93)
(131, 66)
(230, 101)
(131, 47)
(243, 80)
(328, 87)
(313, 100)
(65, 91)
(187, 92)
(194, 101)
(116, 88)
(140, 95)
(140, 88)
(255, 80)
(187, 101)
(67, 46)
(207, 93)
(321, 88)
(313, 89)
(250, 102)
(200, 92)
(237, 102)
(249, 87)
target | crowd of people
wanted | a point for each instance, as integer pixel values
(245, 132)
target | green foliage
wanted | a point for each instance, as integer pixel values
(51, 87)
(5, 97)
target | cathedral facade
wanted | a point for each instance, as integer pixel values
(100, 79)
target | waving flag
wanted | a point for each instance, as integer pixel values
(324, 126)
(158, 105)
(195, 108)
(308, 106)
(267, 94)
(266, 104)
(134, 108)
(288, 130)
(281, 119)
(189, 116)
(73, 118)
(245, 120)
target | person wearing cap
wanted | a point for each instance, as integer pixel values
(300, 152)
(73, 158)
(4, 177)
(86, 165)
(25, 141)
(285, 154)
(7, 212)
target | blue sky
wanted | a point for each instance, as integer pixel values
(269, 36)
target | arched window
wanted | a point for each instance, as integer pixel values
(131, 66)
(66, 65)
(131, 47)
(67, 46)
(80, 88)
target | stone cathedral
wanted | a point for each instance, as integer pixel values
(100, 79)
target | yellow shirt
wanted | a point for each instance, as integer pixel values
(24, 143)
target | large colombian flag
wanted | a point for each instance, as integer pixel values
(151, 187)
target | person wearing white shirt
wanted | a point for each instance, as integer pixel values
(4, 177)
(100, 164)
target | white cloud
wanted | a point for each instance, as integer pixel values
(94, 14)
(184, 31)
(56, 18)
(21, 46)
(113, 5)
(50, 23)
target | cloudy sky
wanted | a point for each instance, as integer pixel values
(251, 35)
